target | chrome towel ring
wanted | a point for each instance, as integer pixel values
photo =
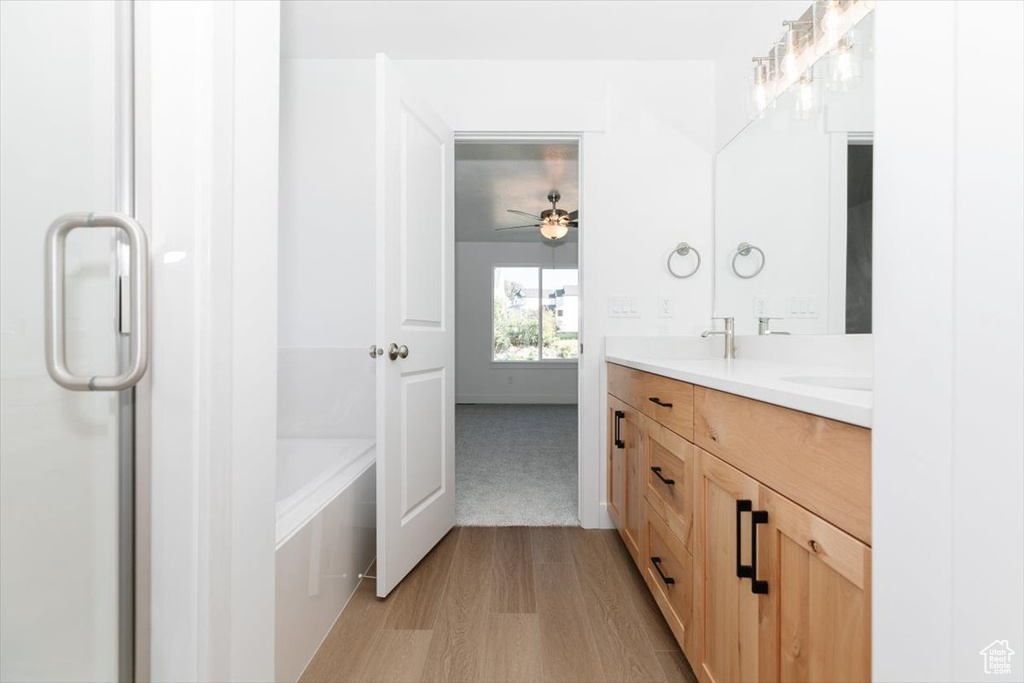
(744, 249)
(683, 249)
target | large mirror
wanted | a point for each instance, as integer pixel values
(793, 197)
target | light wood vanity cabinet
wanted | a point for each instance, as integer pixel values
(744, 475)
(624, 478)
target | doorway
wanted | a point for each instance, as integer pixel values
(517, 325)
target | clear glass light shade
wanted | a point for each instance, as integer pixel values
(759, 93)
(790, 54)
(554, 231)
(844, 66)
(806, 98)
(830, 22)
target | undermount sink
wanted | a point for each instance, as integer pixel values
(855, 383)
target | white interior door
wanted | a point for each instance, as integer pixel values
(415, 303)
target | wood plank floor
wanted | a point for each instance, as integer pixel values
(507, 604)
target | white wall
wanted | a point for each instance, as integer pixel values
(477, 379)
(646, 185)
(948, 505)
(325, 249)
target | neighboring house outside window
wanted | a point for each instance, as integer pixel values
(535, 314)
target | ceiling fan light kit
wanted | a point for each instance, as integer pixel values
(554, 223)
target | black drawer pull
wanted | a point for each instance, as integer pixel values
(756, 585)
(743, 571)
(657, 472)
(656, 561)
(655, 399)
(619, 443)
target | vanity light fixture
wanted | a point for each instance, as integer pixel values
(844, 65)
(830, 23)
(805, 97)
(796, 36)
(822, 30)
(759, 95)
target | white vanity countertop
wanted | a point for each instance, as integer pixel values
(763, 380)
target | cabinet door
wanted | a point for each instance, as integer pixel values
(616, 462)
(816, 619)
(631, 432)
(726, 607)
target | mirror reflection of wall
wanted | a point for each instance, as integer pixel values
(796, 183)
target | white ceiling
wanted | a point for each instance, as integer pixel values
(533, 29)
(493, 177)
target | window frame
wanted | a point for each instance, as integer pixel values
(541, 362)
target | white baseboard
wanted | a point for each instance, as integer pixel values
(516, 399)
(606, 520)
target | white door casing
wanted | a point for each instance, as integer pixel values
(415, 201)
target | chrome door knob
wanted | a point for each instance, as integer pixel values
(395, 351)
(375, 352)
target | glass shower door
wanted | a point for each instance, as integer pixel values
(65, 455)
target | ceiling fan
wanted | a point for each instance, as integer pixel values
(554, 223)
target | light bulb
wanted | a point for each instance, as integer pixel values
(554, 231)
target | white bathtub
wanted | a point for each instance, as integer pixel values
(326, 536)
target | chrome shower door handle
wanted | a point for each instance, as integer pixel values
(395, 351)
(138, 249)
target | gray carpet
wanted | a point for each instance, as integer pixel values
(515, 465)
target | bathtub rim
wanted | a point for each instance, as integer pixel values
(295, 511)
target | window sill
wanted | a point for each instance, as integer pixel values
(537, 364)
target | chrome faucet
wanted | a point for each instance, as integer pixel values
(764, 327)
(728, 333)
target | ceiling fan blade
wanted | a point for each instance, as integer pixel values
(574, 215)
(574, 225)
(517, 227)
(523, 213)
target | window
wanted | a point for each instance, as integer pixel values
(536, 314)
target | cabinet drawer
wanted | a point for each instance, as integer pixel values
(669, 480)
(668, 571)
(821, 464)
(674, 405)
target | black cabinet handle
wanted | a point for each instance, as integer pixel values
(743, 571)
(656, 561)
(619, 443)
(657, 473)
(756, 585)
(655, 399)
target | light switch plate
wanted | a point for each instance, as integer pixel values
(624, 307)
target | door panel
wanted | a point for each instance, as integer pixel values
(61, 616)
(423, 206)
(726, 606)
(416, 294)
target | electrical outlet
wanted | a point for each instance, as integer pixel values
(509, 379)
(664, 307)
(761, 306)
